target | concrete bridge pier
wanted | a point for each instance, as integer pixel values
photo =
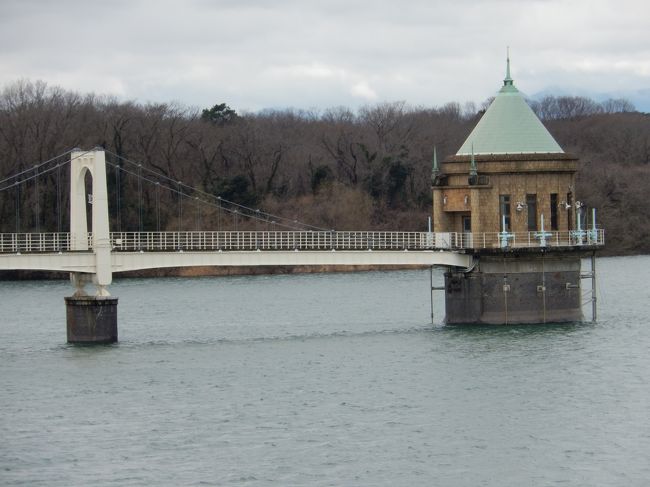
(90, 319)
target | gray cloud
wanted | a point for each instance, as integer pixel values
(257, 54)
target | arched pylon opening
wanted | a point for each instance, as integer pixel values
(88, 185)
(81, 167)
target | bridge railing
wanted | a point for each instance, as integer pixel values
(170, 241)
(229, 241)
(16, 243)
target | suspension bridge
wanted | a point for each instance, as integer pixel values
(88, 193)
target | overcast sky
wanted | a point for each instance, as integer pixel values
(255, 54)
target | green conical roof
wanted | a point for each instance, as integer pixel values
(509, 126)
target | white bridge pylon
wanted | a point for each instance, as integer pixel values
(81, 163)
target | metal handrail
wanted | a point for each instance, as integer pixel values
(17, 243)
(263, 240)
(303, 240)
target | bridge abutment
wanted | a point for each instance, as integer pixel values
(91, 319)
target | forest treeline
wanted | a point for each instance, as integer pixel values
(334, 169)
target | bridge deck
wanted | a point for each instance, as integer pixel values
(146, 250)
(211, 241)
(84, 261)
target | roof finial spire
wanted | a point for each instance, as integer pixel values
(508, 80)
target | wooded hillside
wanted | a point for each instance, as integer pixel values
(337, 169)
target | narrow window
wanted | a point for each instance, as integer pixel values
(531, 204)
(569, 207)
(554, 225)
(467, 224)
(504, 212)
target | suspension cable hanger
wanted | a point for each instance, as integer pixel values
(211, 200)
(218, 205)
(37, 166)
(211, 196)
(30, 178)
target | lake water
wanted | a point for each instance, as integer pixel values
(323, 380)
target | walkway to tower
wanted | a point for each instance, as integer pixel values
(101, 252)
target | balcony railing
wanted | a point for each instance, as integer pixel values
(269, 241)
(518, 240)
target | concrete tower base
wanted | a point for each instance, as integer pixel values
(91, 319)
(526, 287)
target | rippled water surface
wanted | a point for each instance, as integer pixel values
(315, 380)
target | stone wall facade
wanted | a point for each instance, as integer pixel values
(526, 174)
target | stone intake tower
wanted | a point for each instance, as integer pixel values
(508, 197)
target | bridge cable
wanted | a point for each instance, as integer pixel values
(35, 166)
(17, 208)
(198, 214)
(219, 198)
(39, 174)
(157, 206)
(180, 206)
(58, 199)
(211, 196)
(140, 198)
(35, 174)
(219, 215)
(118, 195)
(18, 183)
(180, 192)
(38, 202)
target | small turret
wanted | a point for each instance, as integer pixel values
(435, 168)
(473, 171)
